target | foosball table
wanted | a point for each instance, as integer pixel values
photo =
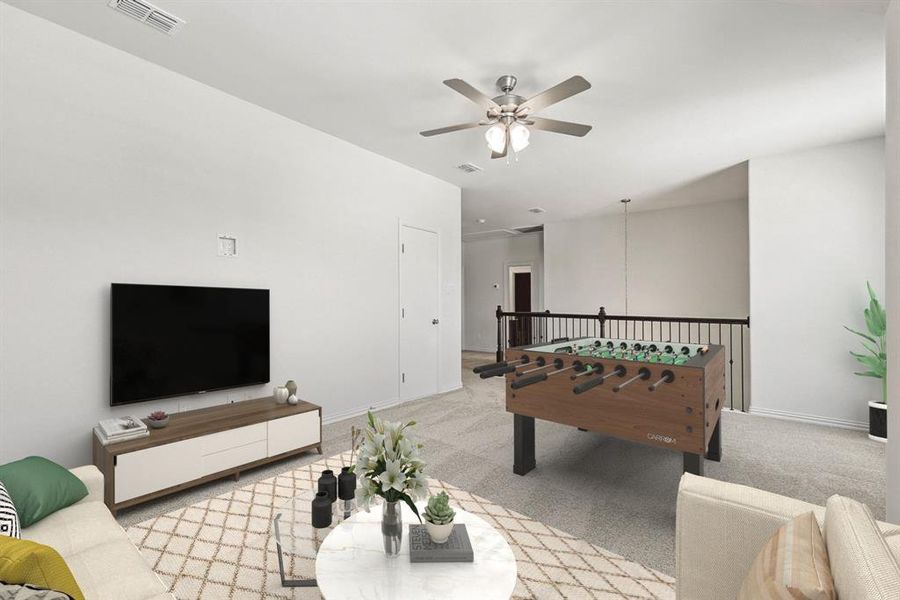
(658, 393)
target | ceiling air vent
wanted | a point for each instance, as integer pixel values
(536, 210)
(469, 168)
(148, 14)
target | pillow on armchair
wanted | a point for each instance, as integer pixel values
(39, 487)
(792, 564)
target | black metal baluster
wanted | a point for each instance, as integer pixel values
(731, 363)
(742, 369)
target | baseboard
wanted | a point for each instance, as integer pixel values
(490, 350)
(355, 412)
(349, 414)
(791, 416)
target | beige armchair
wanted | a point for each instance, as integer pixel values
(721, 527)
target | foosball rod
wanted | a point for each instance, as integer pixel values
(643, 373)
(667, 377)
(595, 368)
(595, 381)
(507, 368)
(542, 364)
(500, 365)
(558, 363)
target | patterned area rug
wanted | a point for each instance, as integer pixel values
(222, 548)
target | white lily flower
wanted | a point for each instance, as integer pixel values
(393, 477)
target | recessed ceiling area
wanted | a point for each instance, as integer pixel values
(683, 93)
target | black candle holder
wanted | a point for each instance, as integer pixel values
(328, 483)
(321, 510)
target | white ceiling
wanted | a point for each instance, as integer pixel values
(683, 92)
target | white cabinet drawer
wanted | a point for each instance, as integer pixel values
(233, 457)
(296, 431)
(154, 469)
(233, 438)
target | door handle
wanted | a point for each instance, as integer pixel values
(434, 321)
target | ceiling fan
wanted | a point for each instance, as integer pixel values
(509, 115)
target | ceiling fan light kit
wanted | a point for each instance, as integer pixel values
(509, 116)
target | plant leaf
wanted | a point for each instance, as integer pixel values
(412, 505)
(869, 374)
(859, 333)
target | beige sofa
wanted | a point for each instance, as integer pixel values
(721, 527)
(105, 563)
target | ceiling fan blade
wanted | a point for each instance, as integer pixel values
(566, 127)
(471, 93)
(432, 132)
(561, 91)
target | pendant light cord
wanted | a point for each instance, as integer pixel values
(625, 202)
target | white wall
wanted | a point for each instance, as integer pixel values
(689, 261)
(485, 265)
(892, 247)
(115, 169)
(816, 237)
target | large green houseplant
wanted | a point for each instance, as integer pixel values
(874, 361)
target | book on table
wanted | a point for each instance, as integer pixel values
(120, 429)
(457, 548)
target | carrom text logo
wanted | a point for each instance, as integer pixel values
(661, 438)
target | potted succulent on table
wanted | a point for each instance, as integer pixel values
(875, 362)
(439, 518)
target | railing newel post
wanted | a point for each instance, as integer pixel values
(500, 348)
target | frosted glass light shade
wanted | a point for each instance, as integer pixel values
(518, 137)
(496, 137)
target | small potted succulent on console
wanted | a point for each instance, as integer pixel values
(439, 518)
(158, 419)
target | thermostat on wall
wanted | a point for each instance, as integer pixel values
(227, 245)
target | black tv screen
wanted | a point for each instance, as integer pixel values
(172, 340)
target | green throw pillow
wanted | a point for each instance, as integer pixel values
(40, 487)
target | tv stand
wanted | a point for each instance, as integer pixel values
(199, 446)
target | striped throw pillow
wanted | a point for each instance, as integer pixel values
(9, 518)
(793, 565)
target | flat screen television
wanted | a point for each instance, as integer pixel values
(170, 340)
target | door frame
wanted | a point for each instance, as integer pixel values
(440, 305)
(536, 284)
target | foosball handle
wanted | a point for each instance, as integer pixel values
(497, 372)
(590, 383)
(667, 377)
(520, 383)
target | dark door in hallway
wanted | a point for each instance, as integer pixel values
(520, 328)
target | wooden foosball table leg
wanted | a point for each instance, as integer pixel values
(693, 463)
(714, 451)
(523, 444)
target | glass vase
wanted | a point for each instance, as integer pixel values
(391, 527)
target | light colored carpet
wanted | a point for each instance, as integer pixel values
(222, 548)
(616, 494)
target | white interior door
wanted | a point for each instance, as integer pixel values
(419, 311)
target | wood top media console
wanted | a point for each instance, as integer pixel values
(206, 444)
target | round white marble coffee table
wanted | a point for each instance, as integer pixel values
(351, 564)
